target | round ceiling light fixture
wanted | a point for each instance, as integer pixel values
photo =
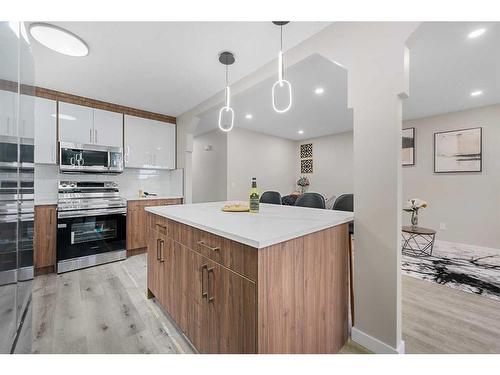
(58, 39)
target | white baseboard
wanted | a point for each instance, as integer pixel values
(375, 345)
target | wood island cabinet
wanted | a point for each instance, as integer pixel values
(228, 297)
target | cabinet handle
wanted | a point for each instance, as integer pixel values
(95, 135)
(202, 243)
(158, 249)
(203, 293)
(90, 135)
(162, 246)
(210, 298)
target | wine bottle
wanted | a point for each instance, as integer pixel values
(254, 197)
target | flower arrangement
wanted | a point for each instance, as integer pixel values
(303, 183)
(413, 205)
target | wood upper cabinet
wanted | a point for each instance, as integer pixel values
(149, 144)
(45, 238)
(45, 131)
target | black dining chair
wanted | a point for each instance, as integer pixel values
(271, 197)
(312, 200)
(345, 202)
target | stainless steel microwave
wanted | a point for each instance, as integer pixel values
(82, 158)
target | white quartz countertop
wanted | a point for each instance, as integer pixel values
(149, 198)
(273, 224)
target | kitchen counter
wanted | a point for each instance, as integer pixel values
(135, 198)
(272, 225)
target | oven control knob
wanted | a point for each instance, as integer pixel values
(72, 185)
(63, 184)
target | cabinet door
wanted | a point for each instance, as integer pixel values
(76, 123)
(108, 128)
(155, 266)
(26, 116)
(45, 236)
(8, 113)
(232, 311)
(138, 143)
(45, 131)
(136, 227)
(197, 309)
(164, 145)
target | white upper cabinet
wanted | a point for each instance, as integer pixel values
(26, 127)
(79, 124)
(45, 131)
(164, 153)
(108, 128)
(149, 144)
(8, 113)
(76, 123)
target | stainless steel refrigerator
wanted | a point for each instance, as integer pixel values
(17, 75)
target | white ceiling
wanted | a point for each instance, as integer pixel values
(164, 67)
(316, 115)
(446, 66)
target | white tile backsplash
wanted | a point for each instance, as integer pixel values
(162, 182)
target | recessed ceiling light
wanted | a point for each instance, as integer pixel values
(476, 33)
(248, 116)
(300, 132)
(319, 90)
(62, 116)
(476, 93)
(58, 39)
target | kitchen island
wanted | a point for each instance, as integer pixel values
(271, 282)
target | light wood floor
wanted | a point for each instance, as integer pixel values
(104, 310)
(438, 319)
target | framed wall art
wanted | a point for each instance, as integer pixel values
(458, 151)
(408, 149)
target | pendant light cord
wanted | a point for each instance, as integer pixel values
(281, 49)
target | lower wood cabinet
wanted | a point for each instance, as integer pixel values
(137, 220)
(291, 297)
(215, 307)
(45, 239)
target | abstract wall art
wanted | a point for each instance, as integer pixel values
(408, 150)
(458, 151)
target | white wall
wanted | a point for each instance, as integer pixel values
(468, 203)
(270, 159)
(210, 167)
(376, 58)
(332, 164)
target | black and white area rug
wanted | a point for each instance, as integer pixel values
(469, 268)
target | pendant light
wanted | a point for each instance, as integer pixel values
(226, 58)
(281, 74)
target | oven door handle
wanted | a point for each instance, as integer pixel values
(81, 213)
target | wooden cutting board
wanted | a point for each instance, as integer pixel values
(235, 208)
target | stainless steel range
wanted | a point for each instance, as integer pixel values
(91, 224)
